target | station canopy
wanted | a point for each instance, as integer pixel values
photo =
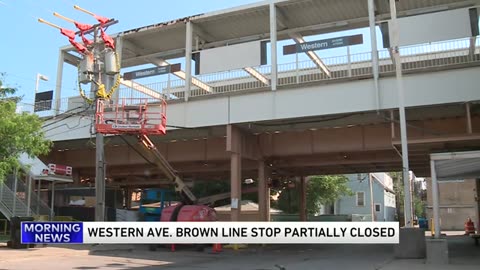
(166, 40)
(457, 165)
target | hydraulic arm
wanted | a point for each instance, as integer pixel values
(156, 157)
(152, 153)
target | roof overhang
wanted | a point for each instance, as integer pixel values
(457, 165)
(251, 22)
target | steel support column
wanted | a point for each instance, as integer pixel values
(38, 195)
(263, 196)
(435, 200)
(303, 199)
(469, 118)
(15, 184)
(58, 86)
(52, 202)
(29, 195)
(273, 45)
(373, 39)
(403, 124)
(234, 146)
(188, 59)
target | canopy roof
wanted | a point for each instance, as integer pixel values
(166, 40)
(457, 165)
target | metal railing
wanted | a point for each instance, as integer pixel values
(11, 205)
(415, 57)
(37, 204)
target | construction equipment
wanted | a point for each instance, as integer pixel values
(152, 203)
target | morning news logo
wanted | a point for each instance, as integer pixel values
(210, 232)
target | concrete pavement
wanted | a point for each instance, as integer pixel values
(281, 257)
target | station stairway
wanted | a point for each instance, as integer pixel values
(14, 199)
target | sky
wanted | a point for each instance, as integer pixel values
(30, 47)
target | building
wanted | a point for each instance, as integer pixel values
(457, 200)
(359, 205)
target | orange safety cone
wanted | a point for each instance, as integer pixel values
(217, 247)
(469, 227)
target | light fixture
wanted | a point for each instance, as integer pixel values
(39, 77)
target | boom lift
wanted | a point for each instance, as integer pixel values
(141, 117)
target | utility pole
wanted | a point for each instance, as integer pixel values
(99, 140)
(401, 108)
(95, 53)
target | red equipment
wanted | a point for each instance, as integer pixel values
(131, 115)
(469, 227)
(188, 213)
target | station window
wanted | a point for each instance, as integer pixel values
(377, 207)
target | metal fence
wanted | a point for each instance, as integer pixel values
(416, 57)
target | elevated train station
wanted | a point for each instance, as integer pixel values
(243, 99)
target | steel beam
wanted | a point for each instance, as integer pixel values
(435, 200)
(273, 47)
(374, 51)
(58, 86)
(188, 58)
(403, 121)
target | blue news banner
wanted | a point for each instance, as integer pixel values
(209, 232)
(52, 232)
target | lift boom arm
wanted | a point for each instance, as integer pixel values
(151, 151)
(166, 168)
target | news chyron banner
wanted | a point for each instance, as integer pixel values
(210, 232)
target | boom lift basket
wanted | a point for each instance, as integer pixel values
(131, 116)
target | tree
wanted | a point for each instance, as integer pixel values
(397, 178)
(320, 190)
(20, 132)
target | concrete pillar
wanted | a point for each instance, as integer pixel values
(263, 192)
(234, 145)
(303, 199)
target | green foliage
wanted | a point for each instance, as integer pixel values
(320, 190)
(419, 207)
(208, 188)
(20, 133)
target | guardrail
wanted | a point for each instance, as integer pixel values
(415, 57)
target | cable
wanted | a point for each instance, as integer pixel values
(68, 116)
(305, 122)
(138, 152)
(64, 131)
